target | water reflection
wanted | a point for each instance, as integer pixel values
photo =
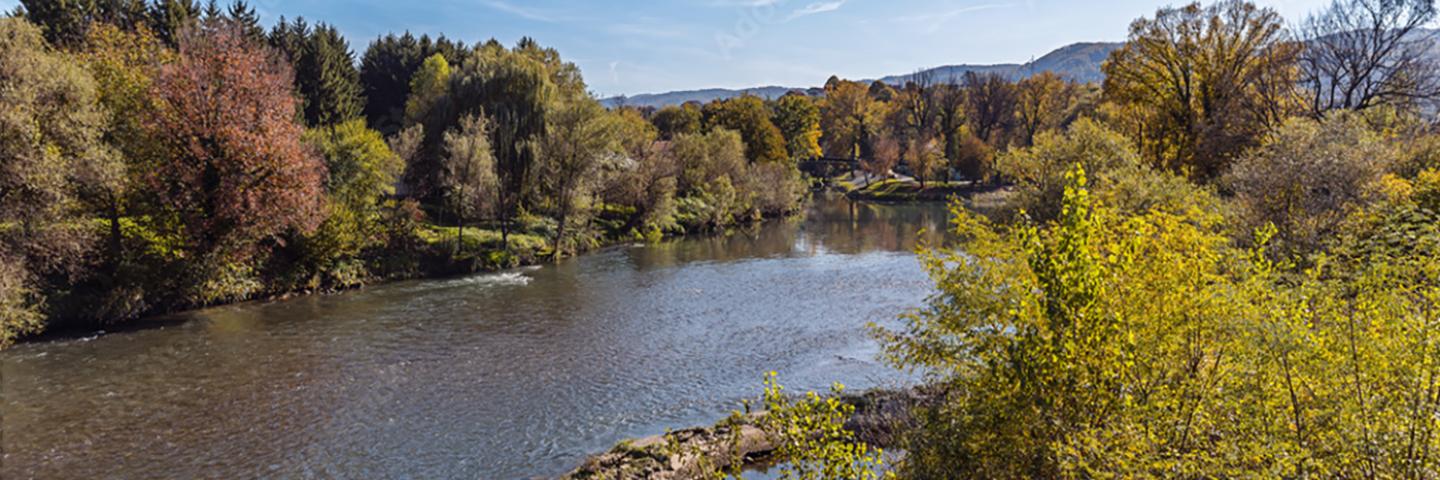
(504, 375)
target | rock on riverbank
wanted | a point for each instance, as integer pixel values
(879, 416)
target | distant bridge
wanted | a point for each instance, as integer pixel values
(827, 166)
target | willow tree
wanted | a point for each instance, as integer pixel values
(1201, 84)
(515, 90)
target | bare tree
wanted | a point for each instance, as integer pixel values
(1364, 53)
(919, 107)
(990, 106)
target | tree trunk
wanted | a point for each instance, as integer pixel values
(115, 237)
(459, 223)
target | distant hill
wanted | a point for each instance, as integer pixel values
(658, 100)
(1079, 62)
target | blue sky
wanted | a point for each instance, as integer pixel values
(632, 46)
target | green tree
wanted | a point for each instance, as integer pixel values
(1067, 341)
(515, 91)
(66, 22)
(811, 436)
(385, 71)
(469, 172)
(675, 120)
(325, 73)
(708, 164)
(244, 15)
(428, 87)
(1117, 174)
(124, 65)
(581, 139)
(170, 18)
(360, 173)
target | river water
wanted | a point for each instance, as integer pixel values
(515, 374)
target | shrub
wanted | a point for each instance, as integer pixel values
(1307, 178)
(1119, 176)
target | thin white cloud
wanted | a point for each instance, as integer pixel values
(743, 3)
(645, 30)
(931, 22)
(522, 12)
(814, 8)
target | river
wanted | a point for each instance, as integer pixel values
(504, 375)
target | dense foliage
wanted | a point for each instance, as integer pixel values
(161, 156)
(1225, 261)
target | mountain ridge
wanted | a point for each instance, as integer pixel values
(1077, 61)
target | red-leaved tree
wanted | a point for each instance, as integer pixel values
(236, 171)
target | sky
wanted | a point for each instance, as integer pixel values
(632, 46)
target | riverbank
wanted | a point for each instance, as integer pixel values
(880, 416)
(437, 252)
(516, 374)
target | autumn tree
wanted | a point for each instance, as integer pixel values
(916, 110)
(970, 156)
(469, 173)
(1043, 101)
(886, 155)
(1363, 53)
(53, 159)
(234, 171)
(636, 134)
(124, 65)
(675, 120)
(747, 115)
(947, 102)
(849, 117)
(798, 118)
(1203, 83)
(925, 157)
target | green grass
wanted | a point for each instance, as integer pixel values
(896, 190)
